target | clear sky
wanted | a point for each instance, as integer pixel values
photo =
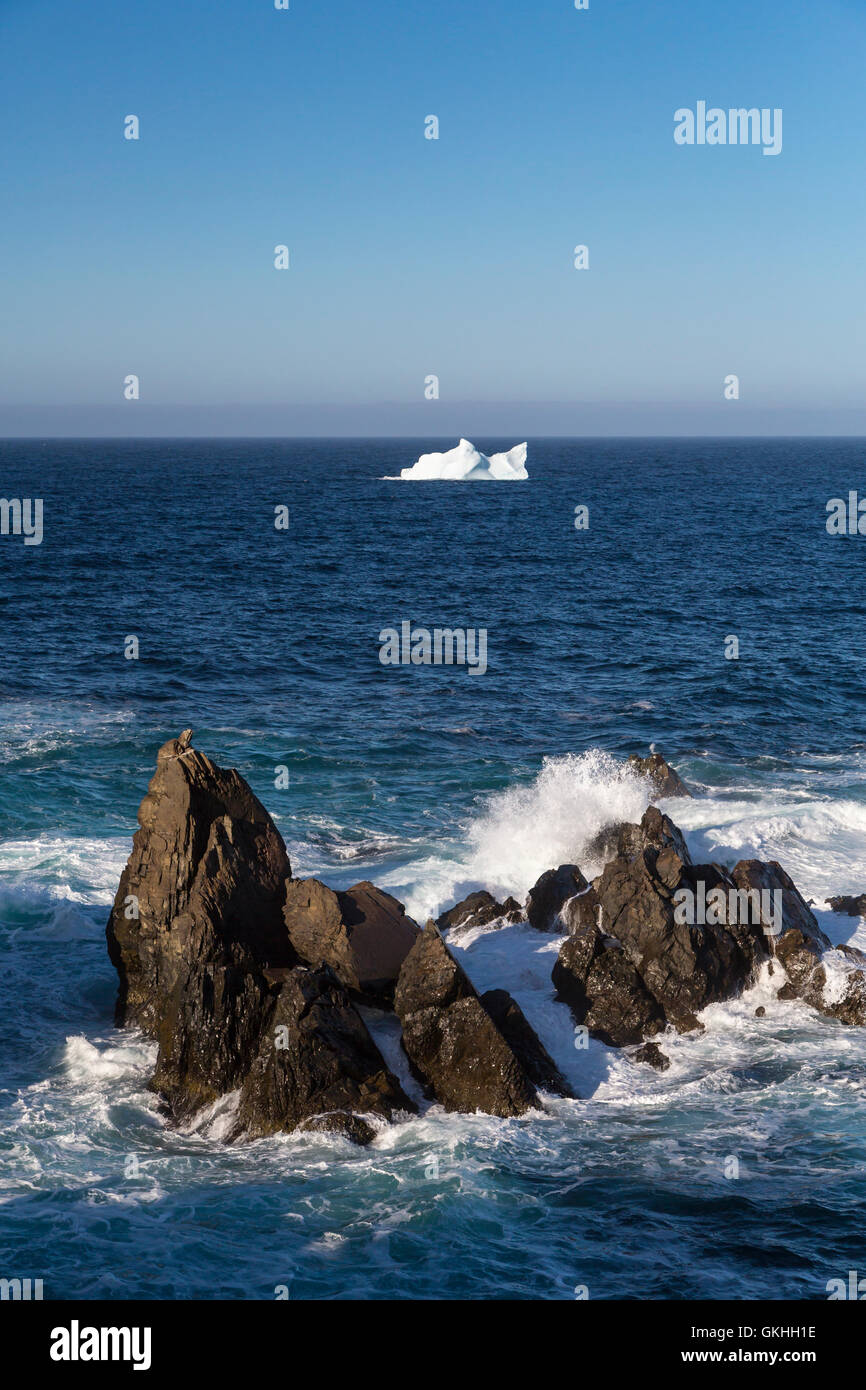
(412, 257)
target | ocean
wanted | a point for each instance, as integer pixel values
(431, 781)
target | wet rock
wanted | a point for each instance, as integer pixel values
(316, 1065)
(639, 959)
(453, 1046)
(626, 840)
(684, 966)
(652, 1054)
(525, 1043)
(760, 1011)
(664, 780)
(604, 990)
(850, 907)
(207, 967)
(362, 933)
(196, 921)
(550, 894)
(580, 911)
(478, 910)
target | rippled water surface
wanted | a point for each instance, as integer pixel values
(432, 781)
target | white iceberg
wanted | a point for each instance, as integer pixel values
(467, 464)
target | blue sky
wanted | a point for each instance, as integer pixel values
(411, 257)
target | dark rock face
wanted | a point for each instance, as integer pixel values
(477, 910)
(201, 947)
(604, 991)
(684, 967)
(363, 934)
(851, 907)
(524, 1042)
(549, 895)
(665, 781)
(206, 876)
(627, 840)
(453, 1045)
(639, 964)
(316, 1064)
(656, 939)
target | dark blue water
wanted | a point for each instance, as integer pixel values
(430, 780)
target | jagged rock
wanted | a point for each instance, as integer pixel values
(756, 876)
(525, 1043)
(604, 991)
(454, 1047)
(206, 878)
(201, 947)
(626, 840)
(635, 963)
(477, 910)
(316, 1066)
(362, 933)
(800, 945)
(580, 911)
(652, 1054)
(685, 967)
(665, 781)
(850, 907)
(549, 895)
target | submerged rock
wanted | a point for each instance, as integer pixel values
(478, 910)
(665, 781)
(850, 907)
(362, 933)
(454, 1048)
(550, 894)
(652, 1054)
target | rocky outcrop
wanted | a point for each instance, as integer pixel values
(800, 946)
(362, 933)
(642, 964)
(657, 938)
(478, 910)
(316, 1065)
(454, 1048)
(550, 894)
(199, 940)
(665, 781)
(196, 922)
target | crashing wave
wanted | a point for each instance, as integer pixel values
(466, 464)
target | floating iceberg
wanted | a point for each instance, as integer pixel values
(466, 464)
